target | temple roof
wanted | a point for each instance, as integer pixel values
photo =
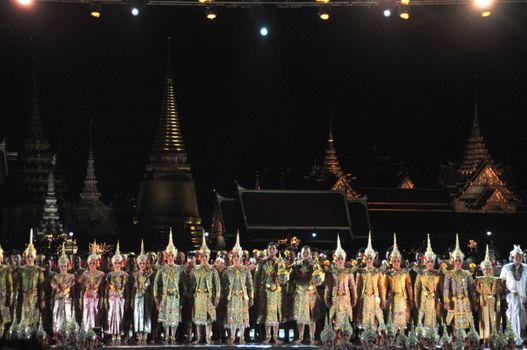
(90, 194)
(331, 162)
(168, 147)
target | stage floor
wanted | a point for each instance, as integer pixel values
(215, 346)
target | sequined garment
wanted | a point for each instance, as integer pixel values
(488, 289)
(340, 295)
(205, 286)
(458, 292)
(116, 284)
(307, 303)
(399, 297)
(62, 286)
(371, 293)
(426, 294)
(168, 290)
(30, 293)
(238, 286)
(6, 296)
(268, 293)
(142, 301)
(91, 292)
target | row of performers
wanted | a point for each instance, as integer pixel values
(363, 296)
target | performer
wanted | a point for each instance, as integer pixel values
(340, 293)
(6, 293)
(458, 292)
(514, 277)
(142, 298)
(306, 300)
(269, 294)
(400, 293)
(426, 290)
(30, 288)
(205, 287)
(116, 284)
(238, 286)
(91, 283)
(488, 289)
(168, 290)
(371, 291)
(62, 285)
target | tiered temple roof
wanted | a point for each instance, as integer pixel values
(331, 162)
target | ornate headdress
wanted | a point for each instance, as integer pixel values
(170, 249)
(204, 250)
(369, 249)
(63, 259)
(457, 253)
(1, 252)
(429, 254)
(395, 251)
(516, 250)
(486, 263)
(327, 333)
(142, 256)
(339, 251)
(117, 257)
(30, 250)
(237, 250)
(93, 255)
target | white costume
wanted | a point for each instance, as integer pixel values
(516, 296)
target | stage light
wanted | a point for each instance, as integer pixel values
(485, 13)
(484, 6)
(206, 234)
(323, 13)
(25, 3)
(489, 233)
(134, 11)
(387, 13)
(323, 1)
(314, 235)
(403, 13)
(264, 31)
(95, 10)
(210, 13)
(405, 2)
(71, 234)
(203, 1)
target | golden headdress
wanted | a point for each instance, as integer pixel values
(63, 259)
(457, 253)
(170, 249)
(142, 256)
(516, 250)
(237, 248)
(1, 252)
(429, 254)
(30, 250)
(93, 255)
(204, 250)
(369, 252)
(486, 263)
(327, 333)
(395, 251)
(339, 251)
(117, 257)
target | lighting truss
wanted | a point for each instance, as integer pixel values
(273, 3)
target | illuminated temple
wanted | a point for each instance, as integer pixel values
(474, 196)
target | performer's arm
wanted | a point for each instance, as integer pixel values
(417, 290)
(353, 290)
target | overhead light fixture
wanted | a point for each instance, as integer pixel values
(405, 2)
(25, 3)
(387, 7)
(95, 10)
(323, 13)
(135, 7)
(404, 13)
(203, 1)
(484, 6)
(323, 1)
(210, 13)
(387, 12)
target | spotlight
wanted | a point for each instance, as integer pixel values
(71, 234)
(134, 11)
(264, 31)
(314, 234)
(323, 13)
(25, 3)
(202, 1)
(485, 13)
(323, 1)
(206, 234)
(210, 13)
(95, 10)
(387, 13)
(403, 12)
(489, 233)
(405, 2)
(135, 6)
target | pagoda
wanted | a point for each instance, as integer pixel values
(92, 217)
(482, 185)
(331, 162)
(167, 194)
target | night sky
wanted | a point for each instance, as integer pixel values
(250, 104)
